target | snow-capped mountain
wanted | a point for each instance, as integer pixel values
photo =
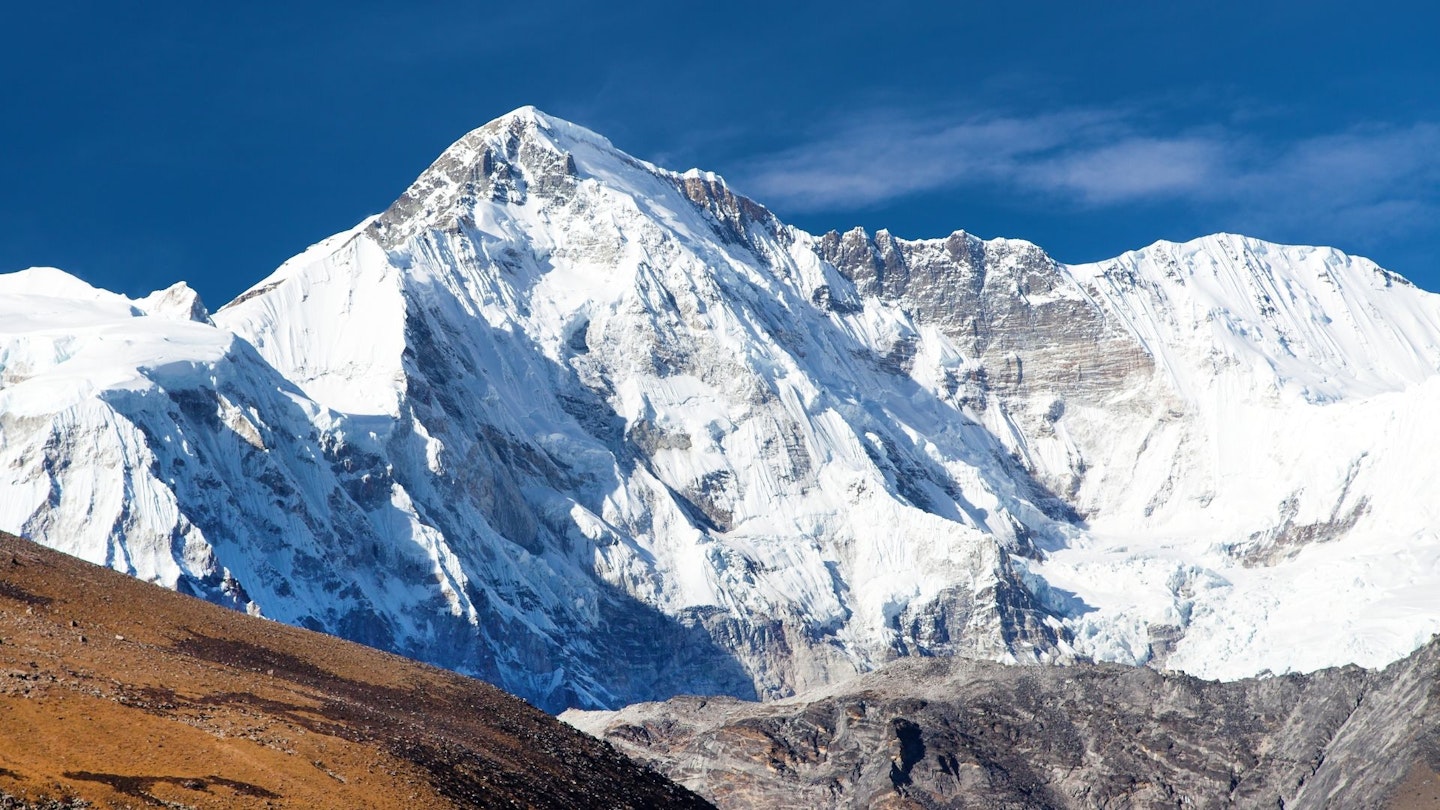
(600, 432)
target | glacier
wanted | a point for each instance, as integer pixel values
(600, 432)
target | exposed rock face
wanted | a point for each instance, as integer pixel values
(1033, 338)
(178, 302)
(1004, 303)
(953, 734)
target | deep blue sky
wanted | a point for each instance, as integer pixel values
(142, 143)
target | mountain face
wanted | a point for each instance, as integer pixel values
(600, 432)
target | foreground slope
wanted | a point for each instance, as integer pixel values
(122, 693)
(950, 733)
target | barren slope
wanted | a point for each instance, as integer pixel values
(123, 694)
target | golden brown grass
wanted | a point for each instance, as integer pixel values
(128, 695)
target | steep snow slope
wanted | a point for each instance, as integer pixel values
(1239, 425)
(172, 451)
(1284, 501)
(167, 448)
(600, 432)
(76, 471)
(615, 376)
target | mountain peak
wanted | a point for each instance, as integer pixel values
(51, 282)
(528, 155)
(502, 161)
(567, 393)
(526, 112)
(531, 121)
(179, 301)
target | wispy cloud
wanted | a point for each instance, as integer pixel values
(1384, 177)
(888, 155)
(1384, 180)
(1129, 168)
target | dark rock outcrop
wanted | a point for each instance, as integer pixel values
(953, 733)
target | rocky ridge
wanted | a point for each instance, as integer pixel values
(950, 733)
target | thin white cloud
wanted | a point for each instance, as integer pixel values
(889, 155)
(1383, 178)
(1132, 168)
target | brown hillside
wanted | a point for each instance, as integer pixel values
(124, 694)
